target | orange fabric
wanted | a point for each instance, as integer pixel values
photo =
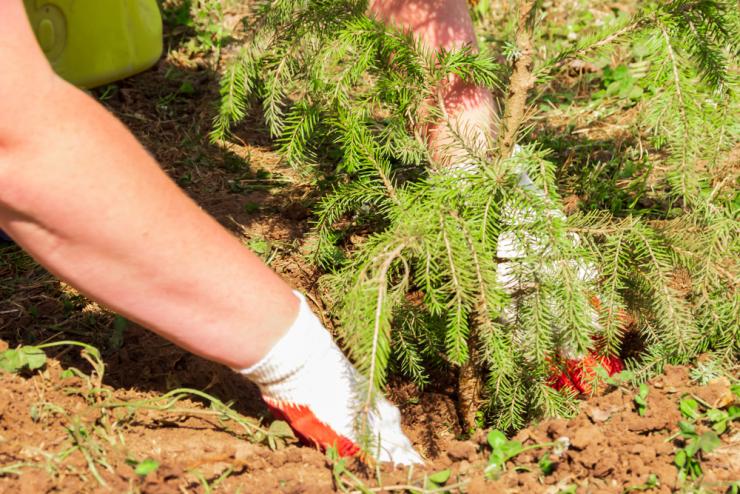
(580, 374)
(310, 429)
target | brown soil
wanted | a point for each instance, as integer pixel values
(52, 428)
(610, 448)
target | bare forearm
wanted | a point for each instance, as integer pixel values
(86, 200)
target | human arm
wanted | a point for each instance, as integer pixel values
(82, 196)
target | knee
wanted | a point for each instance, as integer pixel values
(439, 24)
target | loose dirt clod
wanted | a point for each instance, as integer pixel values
(461, 450)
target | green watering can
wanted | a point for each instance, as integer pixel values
(94, 42)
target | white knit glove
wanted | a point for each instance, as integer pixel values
(512, 249)
(514, 272)
(306, 380)
(516, 247)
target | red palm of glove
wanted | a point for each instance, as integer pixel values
(310, 429)
(580, 374)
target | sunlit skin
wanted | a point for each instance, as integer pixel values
(445, 24)
(85, 199)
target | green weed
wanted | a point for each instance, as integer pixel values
(652, 482)
(14, 468)
(144, 467)
(210, 486)
(688, 458)
(640, 399)
(503, 450)
(206, 20)
(694, 439)
(276, 436)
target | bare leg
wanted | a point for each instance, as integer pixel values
(445, 24)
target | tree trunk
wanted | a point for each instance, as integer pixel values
(470, 382)
(520, 83)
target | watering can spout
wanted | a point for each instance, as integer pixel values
(94, 42)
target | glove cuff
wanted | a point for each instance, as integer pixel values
(305, 338)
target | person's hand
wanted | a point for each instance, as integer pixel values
(579, 374)
(307, 381)
(573, 371)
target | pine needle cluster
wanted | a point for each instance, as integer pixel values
(419, 292)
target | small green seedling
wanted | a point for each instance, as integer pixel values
(120, 324)
(33, 357)
(619, 83)
(13, 468)
(144, 467)
(251, 207)
(720, 418)
(342, 475)
(339, 464)
(186, 88)
(502, 450)
(437, 479)
(689, 408)
(616, 380)
(547, 466)
(279, 435)
(652, 483)
(21, 358)
(210, 487)
(688, 458)
(641, 399)
(260, 246)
